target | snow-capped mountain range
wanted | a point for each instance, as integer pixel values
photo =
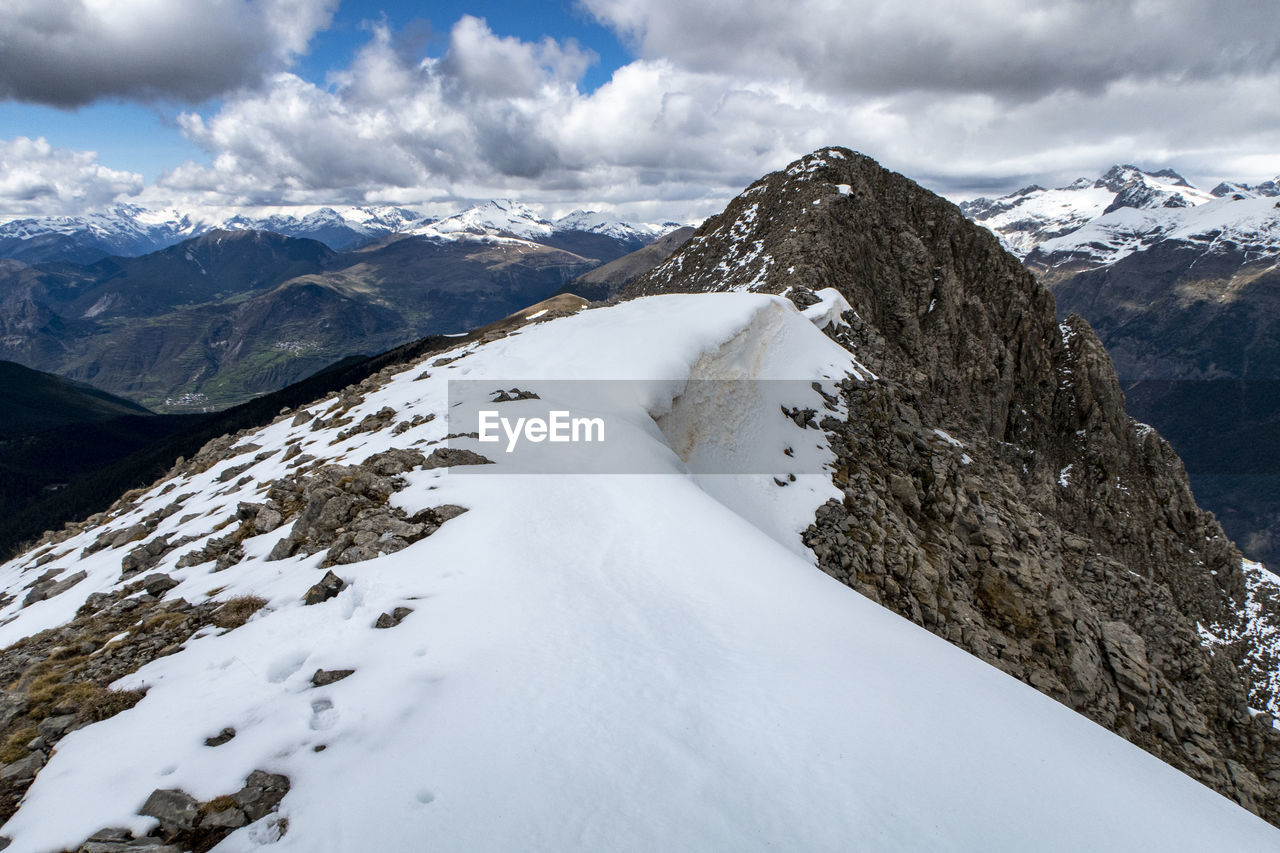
(506, 218)
(130, 230)
(1098, 222)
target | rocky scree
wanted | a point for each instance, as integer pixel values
(343, 509)
(58, 681)
(186, 824)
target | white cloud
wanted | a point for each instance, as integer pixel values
(990, 92)
(37, 179)
(72, 52)
(499, 116)
(962, 97)
(484, 66)
(1011, 48)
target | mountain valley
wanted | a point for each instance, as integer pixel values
(221, 317)
(1181, 286)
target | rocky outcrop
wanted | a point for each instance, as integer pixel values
(59, 680)
(344, 509)
(994, 490)
(1192, 328)
(185, 823)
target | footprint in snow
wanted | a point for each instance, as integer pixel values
(323, 715)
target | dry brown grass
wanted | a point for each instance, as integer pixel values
(64, 653)
(15, 746)
(237, 611)
(49, 691)
(218, 804)
(104, 703)
(162, 622)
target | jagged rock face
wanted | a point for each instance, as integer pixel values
(1194, 336)
(995, 491)
(942, 305)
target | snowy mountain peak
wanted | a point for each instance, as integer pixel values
(339, 227)
(499, 218)
(594, 222)
(1033, 214)
(1125, 197)
(1143, 190)
(1118, 177)
(508, 219)
(1266, 189)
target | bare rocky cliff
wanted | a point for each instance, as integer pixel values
(995, 490)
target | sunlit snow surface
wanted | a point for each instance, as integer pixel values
(598, 662)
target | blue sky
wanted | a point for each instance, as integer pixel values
(145, 138)
(660, 109)
(427, 25)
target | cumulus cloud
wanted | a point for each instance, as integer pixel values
(39, 179)
(963, 102)
(500, 116)
(68, 53)
(984, 95)
(966, 98)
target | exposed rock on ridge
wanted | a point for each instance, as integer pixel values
(995, 490)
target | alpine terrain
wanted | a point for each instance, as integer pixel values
(251, 306)
(359, 625)
(1182, 287)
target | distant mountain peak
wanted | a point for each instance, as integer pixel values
(596, 222)
(1117, 177)
(1102, 219)
(1266, 189)
(496, 218)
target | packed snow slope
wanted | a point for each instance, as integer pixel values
(592, 661)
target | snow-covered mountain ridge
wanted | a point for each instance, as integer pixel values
(1090, 533)
(506, 218)
(130, 230)
(1128, 210)
(575, 662)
